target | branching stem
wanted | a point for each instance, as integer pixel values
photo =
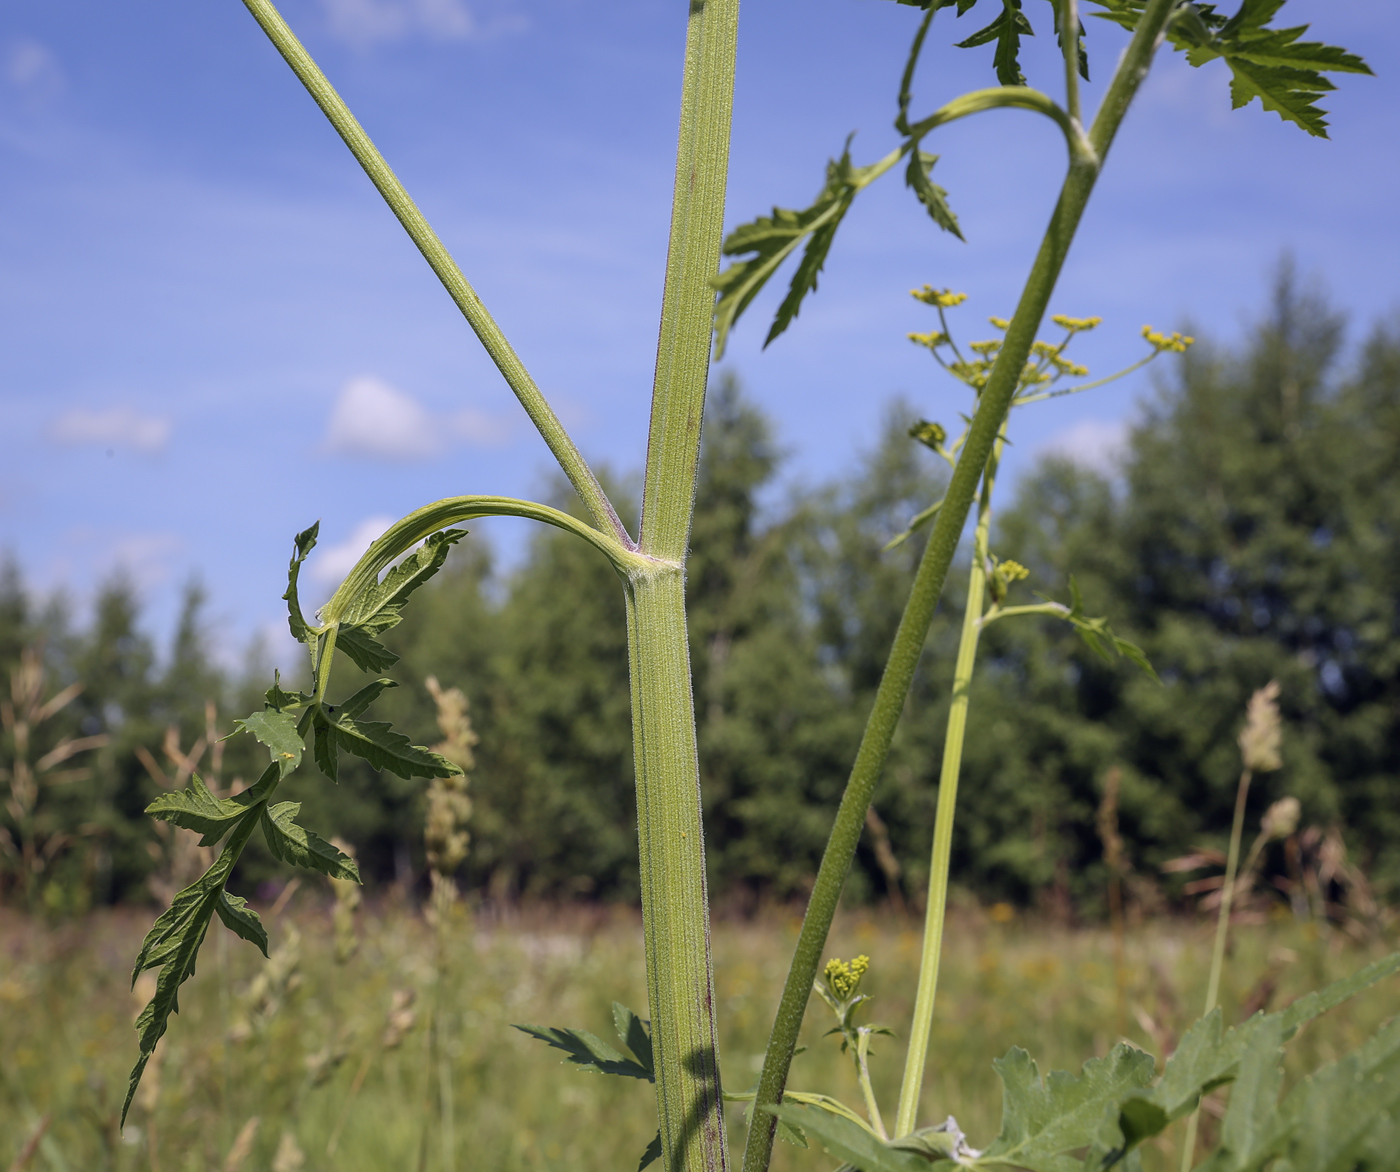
(441, 262)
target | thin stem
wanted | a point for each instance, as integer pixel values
(872, 1106)
(1069, 35)
(908, 643)
(917, 1055)
(441, 262)
(1222, 932)
(1093, 386)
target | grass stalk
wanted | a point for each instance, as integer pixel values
(908, 643)
(917, 1055)
(1222, 933)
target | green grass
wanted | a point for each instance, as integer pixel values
(287, 1051)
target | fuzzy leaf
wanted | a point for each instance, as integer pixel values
(364, 650)
(195, 808)
(278, 732)
(588, 1051)
(633, 1032)
(305, 543)
(241, 920)
(403, 579)
(1043, 1120)
(848, 1141)
(300, 847)
(652, 1153)
(772, 239)
(933, 197)
(378, 743)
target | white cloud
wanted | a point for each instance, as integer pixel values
(374, 418)
(118, 427)
(367, 22)
(329, 564)
(32, 69)
(1094, 444)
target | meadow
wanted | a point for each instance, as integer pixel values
(388, 1043)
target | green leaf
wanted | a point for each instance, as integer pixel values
(1247, 1130)
(300, 847)
(378, 743)
(364, 697)
(933, 197)
(195, 808)
(281, 700)
(588, 1052)
(633, 1032)
(173, 943)
(1006, 30)
(772, 239)
(1044, 1120)
(241, 920)
(1319, 1002)
(401, 580)
(323, 747)
(1273, 65)
(305, 543)
(364, 650)
(652, 1153)
(1079, 42)
(847, 1140)
(278, 732)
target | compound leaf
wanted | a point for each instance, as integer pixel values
(403, 579)
(305, 543)
(772, 239)
(196, 808)
(278, 732)
(378, 743)
(365, 697)
(589, 1052)
(1006, 30)
(301, 847)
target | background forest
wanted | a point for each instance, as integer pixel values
(1252, 532)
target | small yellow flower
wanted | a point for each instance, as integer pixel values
(1076, 325)
(984, 347)
(1176, 343)
(1000, 322)
(844, 979)
(942, 298)
(933, 339)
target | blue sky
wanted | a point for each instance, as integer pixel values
(212, 333)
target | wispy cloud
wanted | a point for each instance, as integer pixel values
(116, 427)
(363, 23)
(329, 564)
(374, 418)
(1094, 444)
(32, 69)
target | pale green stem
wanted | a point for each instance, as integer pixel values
(917, 1055)
(441, 262)
(872, 1106)
(908, 642)
(1222, 933)
(675, 907)
(1069, 29)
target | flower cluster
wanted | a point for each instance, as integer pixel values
(844, 979)
(1176, 344)
(941, 298)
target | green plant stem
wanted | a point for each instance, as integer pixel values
(928, 581)
(1069, 34)
(1222, 934)
(441, 262)
(872, 1105)
(675, 902)
(917, 1054)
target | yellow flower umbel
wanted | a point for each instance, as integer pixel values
(844, 979)
(1173, 344)
(939, 298)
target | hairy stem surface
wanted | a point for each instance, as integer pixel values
(675, 908)
(932, 572)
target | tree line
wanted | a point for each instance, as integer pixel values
(1251, 533)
